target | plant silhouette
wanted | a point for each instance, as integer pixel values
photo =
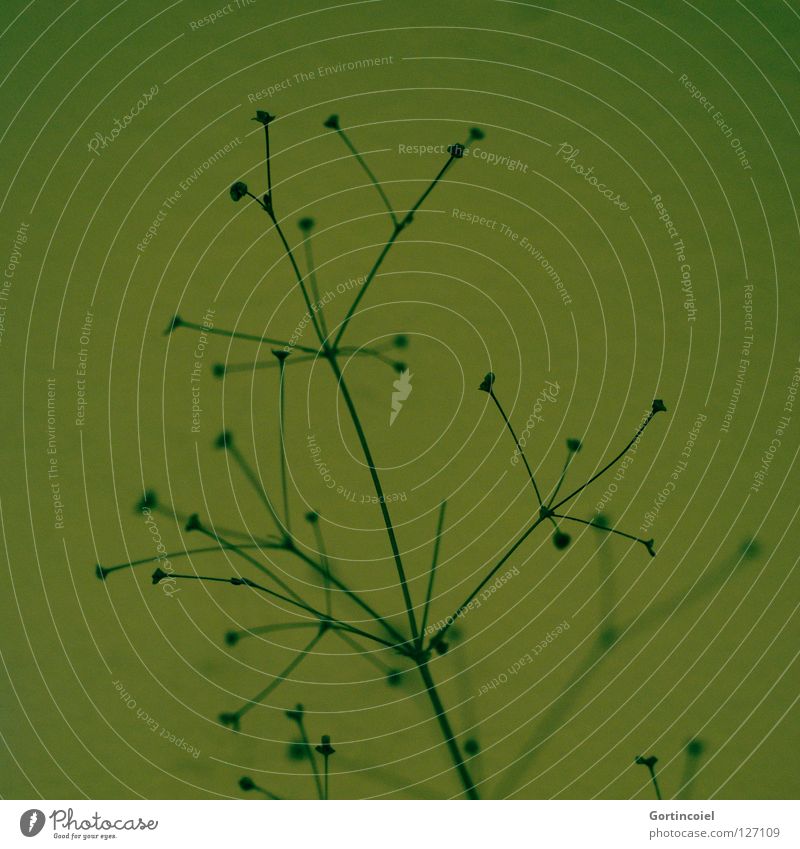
(415, 645)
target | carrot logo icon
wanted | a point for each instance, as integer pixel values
(403, 389)
(31, 822)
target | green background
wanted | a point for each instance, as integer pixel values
(712, 646)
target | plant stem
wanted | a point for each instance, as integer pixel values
(444, 723)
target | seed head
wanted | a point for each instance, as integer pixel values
(174, 323)
(230, 720)
(695, 748)
(659, 406)
(246, 783)
(159, 575)
(296, 715)
(306, 224)
(224, 440)
(331, 123)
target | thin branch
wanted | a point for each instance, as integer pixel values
(381, 499)
(309, 750)
(300, 278)
(103, 571)
(444, 723)
(159, 576)
(368, 171)
(621, 454)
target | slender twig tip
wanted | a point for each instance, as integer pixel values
(238, 191)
